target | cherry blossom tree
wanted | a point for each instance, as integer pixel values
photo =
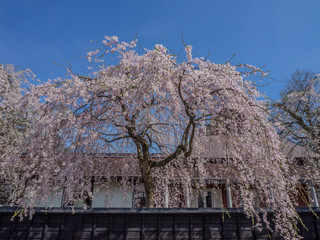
(157, 110)
(297, 115)
(298, 109)
(16, 114)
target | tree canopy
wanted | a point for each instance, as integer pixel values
(17, 113)
(297, 115)
(158, 110)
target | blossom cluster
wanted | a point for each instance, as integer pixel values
(147, 104)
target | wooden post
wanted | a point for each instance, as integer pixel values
(229, 197)
(314, 195)
(188, 197)
(271, 196)
(166, 194)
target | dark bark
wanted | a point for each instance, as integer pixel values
(148, 184)
(143, 148)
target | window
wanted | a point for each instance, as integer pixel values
(300, 161)
(78, 201)
(204, 199)
(209, 198)
(139, 199)
(250, 196)
(4, 192)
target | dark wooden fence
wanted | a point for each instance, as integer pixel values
(142, 224)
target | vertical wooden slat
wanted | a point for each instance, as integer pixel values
(110, 227)
(269, 218)
(204, 226)
(142, 227)
(159, 227)
(222, 225)
(94, 227)
(61, 227)
(45, 229)
(238, 227)
(77, 228)
(29, 228)
(191, 227)
(300, 228)
(126, 232)
(80, 226)
(175, 226)
(254, 234)
(13, 226)
(315, 226)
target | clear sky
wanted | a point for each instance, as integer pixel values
(284, 35)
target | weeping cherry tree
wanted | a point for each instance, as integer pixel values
(157, 110)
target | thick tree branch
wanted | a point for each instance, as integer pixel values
(186, 140)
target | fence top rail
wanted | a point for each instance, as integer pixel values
(66, 210)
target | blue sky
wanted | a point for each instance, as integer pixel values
(284, 35)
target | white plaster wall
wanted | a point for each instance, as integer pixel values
(217, 198)
(55, 200)
(193, 199)
(99, 196)
(117, 197)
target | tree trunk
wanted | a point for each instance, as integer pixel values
(148, 184)
(149, 187)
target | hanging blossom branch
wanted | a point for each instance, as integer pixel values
(151, 104)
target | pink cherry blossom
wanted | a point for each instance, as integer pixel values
(152, 113)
